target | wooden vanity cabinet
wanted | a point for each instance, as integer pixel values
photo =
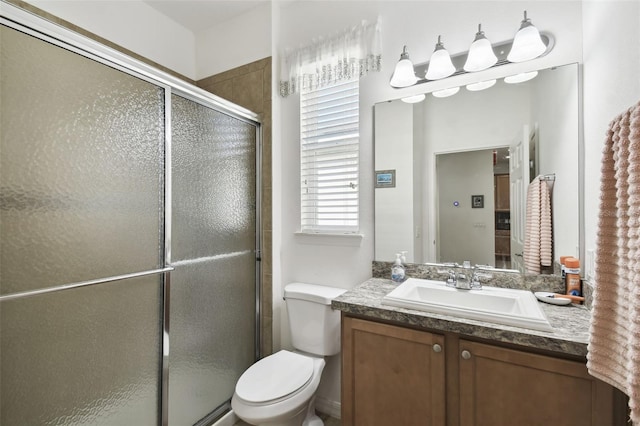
(393, 375)
(500, 386)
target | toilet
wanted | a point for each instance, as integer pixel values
(279, 390)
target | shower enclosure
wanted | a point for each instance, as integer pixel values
(129, 242)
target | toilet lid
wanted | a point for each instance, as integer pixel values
(275, 376)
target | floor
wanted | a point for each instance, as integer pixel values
(503, 262)
(328, 421)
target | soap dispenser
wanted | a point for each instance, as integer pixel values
(397, 270)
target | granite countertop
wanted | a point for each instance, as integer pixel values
(570, 322)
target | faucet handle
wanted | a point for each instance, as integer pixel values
(451, 277)
(475, 279)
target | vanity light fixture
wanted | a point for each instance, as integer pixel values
(476, 87)
(414, 99)
(440, 65)
(527, 43)
(520, 78)
(404, 74)
(444, 93)
(481, 55)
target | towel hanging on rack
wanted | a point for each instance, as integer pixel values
(538, 236)
(614, 336)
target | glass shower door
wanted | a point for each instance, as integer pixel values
(81, 206)
(213, 286)
(98, 202)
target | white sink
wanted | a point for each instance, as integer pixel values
(491, 304)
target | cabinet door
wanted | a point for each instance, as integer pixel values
(501, 387)
(502, 192)
(391, 375)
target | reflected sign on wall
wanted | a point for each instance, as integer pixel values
(477, 201)
(385, 178)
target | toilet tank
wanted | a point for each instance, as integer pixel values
(315, 327)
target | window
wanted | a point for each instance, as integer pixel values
(329, 157)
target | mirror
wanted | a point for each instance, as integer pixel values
(444, 192)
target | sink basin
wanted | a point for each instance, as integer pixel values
(491, 304)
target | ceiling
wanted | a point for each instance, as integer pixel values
(198, 15)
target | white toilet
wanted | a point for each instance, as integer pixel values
(279, 390)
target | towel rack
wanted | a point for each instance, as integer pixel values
(550, 176)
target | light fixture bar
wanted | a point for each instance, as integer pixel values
(500, 49)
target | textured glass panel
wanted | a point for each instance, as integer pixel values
(81, 166)
(214, 179)
(87, 356)
(212, 333)
(213, 299)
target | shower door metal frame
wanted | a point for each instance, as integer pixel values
(38, 27)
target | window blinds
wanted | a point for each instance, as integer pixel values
(329, 157)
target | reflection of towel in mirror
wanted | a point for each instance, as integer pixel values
(538, 248)
(614, 336)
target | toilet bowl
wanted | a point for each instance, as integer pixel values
(278, 390)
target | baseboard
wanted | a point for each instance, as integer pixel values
(327, 406)
(228, 419)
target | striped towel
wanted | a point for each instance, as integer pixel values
(614, 336)
(538, 236)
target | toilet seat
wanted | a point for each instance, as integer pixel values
(274, 378)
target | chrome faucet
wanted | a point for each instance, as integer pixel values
(467, 279)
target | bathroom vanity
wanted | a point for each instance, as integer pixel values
(408, 367)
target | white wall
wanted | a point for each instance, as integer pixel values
(394, 206)
(233, 43)
(611, 36)
(342, 262)
(136, 26)
(133, 25)
(559, 124)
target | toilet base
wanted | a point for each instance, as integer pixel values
(306, 416)
(312, 419)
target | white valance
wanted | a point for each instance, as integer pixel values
(350, 54)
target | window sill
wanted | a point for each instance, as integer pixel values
(342, 239)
